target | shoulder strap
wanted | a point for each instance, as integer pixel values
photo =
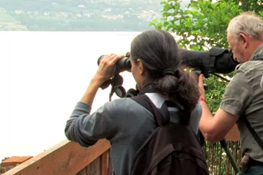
(162, 116)
(258, 57)
(253, 132)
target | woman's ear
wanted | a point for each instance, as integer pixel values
(140, 66)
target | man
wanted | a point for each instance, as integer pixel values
(243, 95)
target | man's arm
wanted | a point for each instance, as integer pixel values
(215, 128)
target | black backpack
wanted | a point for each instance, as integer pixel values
(171, 149)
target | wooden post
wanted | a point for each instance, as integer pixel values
(104, 164)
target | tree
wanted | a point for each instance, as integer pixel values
(203, 25)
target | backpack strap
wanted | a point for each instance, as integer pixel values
(148, 104)
(253, 132)
(162, 115)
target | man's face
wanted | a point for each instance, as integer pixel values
(237, 48)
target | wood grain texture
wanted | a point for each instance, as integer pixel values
(66, 158)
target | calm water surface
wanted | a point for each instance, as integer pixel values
(43, 76)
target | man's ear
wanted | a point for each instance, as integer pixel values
(140, 66)
(244, 39)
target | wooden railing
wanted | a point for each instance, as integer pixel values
(216, 157)
(68, 158)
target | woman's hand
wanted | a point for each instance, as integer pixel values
(201, 86)
(106, 67)
(104, 73)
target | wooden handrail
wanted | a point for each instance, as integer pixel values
(65, 158)
(69, 158)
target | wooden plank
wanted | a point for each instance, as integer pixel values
(14, 160)
(233, 134)
(83, 171)
(66, 158)
(104, 164)
(94, 167)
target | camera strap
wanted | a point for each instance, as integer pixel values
(258, 57)
(116, 84)
(253, 132)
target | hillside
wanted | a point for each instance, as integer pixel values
(78, 15)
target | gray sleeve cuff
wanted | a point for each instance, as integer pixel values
(83, 106)
(237, 95)
(231, 107)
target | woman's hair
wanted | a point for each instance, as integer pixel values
(248, 23)
(161, 58)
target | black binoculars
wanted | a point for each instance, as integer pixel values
(123, 65)
(216, 60)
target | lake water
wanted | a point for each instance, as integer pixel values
(43, 76)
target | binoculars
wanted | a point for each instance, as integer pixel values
(216, 60)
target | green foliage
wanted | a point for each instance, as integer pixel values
(203, 25)
(214, 92)
(251, 5)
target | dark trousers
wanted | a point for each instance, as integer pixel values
(256, 168)
(253, 170)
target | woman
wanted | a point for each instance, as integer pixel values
(155, 65)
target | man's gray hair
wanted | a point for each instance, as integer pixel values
(248, 23)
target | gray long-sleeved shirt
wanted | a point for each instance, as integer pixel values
(124, 122)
